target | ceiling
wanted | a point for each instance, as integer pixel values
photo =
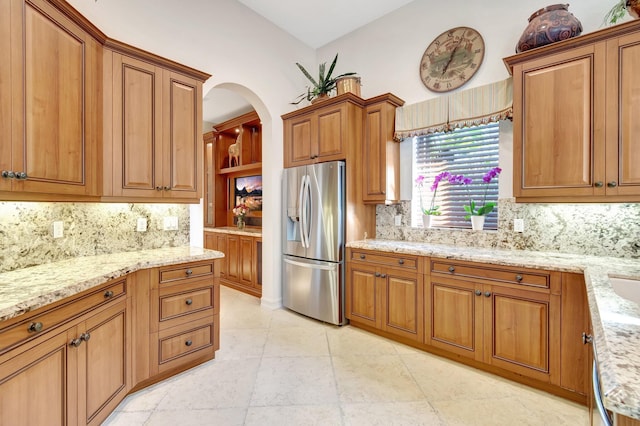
(307, 22)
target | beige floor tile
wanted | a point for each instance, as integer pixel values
(223, 416)
(307, 415)
(352, 341)
(287, 318)
(395, 413)
(119, 418)
(242, 343)
(382, 378)
(296, 341)
(294, 381)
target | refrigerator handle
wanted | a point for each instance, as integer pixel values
(311, 265)
(306, 209)
(302, 212)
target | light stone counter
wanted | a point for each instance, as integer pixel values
(250, 232)
(24, 290)
(616, 321)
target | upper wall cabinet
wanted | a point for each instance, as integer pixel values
(574, 133)
(152, 130)
(50, 104)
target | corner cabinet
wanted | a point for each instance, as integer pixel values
(380, 153)
(50, 103)
(574, 133)
(324, 131)
(153, 129)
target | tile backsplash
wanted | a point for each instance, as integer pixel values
(590, 229)
(26, 236)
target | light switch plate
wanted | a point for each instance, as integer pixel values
(58, 229)
(518, 225)
(142, 224)
(398, 219)
(170, 223)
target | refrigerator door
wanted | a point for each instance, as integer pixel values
(313, 288)
(324, 222)
(293, 190)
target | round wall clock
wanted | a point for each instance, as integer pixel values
(451, 59)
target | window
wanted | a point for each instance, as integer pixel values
(471, 152)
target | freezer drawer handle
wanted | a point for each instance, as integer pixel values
(310, 265)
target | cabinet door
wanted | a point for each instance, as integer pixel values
(233, 254)
(102, 367)
(5, 92)
(455, 317)
(221, 245)
(381, 176)
(182, 136)
(332, 133)
(575, 367)
(403, 307)
(34, 385)
(246, 261)
(56, 103)
(210, 240)
(137, 128)
(623, 131)
(299, 136)
(517, 328)
(362, 298)
(559, 124)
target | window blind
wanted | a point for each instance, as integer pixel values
(470, 151)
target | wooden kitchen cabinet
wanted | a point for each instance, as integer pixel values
(242, 265)
(575, 358)
(153, 127)
(504, 317)
(50, 103)
(574, 132)
(380, 153)
(76, 372)
(384, 292)
(322, 131)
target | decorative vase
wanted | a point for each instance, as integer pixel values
(321, 97)
(477, 222)
(348, 85)
(240, 223)
(426, 221)
(633, 8)
(549, 25)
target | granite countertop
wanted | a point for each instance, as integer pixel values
(616, 321)
(24, 290)
(250, 232)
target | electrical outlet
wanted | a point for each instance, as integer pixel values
(398, 219)
(170, 223)
(142, 224)
(58, 229)
(518, 225)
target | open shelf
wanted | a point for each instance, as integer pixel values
(244, 168)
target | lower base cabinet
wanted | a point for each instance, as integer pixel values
(525, 324)
(242, 265)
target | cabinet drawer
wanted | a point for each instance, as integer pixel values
(185, 272)
(406, 262)
(185, 343)
(491, 273)
(175, 305)
(49, 318)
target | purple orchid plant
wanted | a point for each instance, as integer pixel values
(472, 209)
(433, 209)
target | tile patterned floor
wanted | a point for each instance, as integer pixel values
(280, 368)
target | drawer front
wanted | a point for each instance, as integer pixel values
(406, 262)
(185, 343)
(175, 305)
(185, 272)
(38, 324)
(509, 276)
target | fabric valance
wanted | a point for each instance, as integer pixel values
(480, 105)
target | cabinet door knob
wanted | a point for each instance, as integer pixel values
(8, 174)
(377, 274)
(189, 272)
(487, 294)
(85, 336)
(612, 184)
(598, 184)
(478, 293)
(188, 343)
(452, 268)
(189, 302)
(586, 338)
(166, 188)
(158, 188)
(21, 176)
(383, 275)
(519, 278)
(35, 327)
(401, 261)
(75, 343)
(108, 294)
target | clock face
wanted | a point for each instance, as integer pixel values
(451, 59)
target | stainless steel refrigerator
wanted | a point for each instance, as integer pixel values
(313, 240)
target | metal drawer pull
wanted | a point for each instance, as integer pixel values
(487, 294)
(452, 268)
(108, 294)
(188, 343)
(401, 261)
(189, 272)
(519, 278)
(35, 327)
(478, 293)
(586, 338)
(362, 256)
(189, 302)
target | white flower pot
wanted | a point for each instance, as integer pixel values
(477, 223)
(426, 220)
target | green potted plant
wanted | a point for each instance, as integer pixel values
(323, 85)
(620, 9)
